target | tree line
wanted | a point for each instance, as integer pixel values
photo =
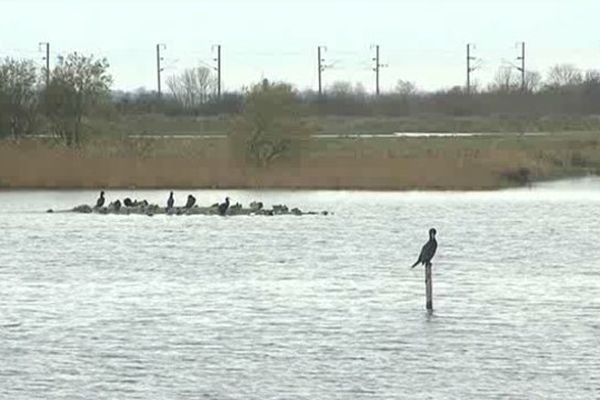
(564, 90)
(60, 100)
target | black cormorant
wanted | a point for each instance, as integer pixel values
(100, 201)
(428, 250)
(170, 202)
(224, 206)
(127, 202)
(117, 205)
(191, 200)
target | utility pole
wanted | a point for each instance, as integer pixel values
(522, 67)
(159, 68)
(377, 68)
(218, 69)
(47, 59)
(469, 68)
(377, 65)
(321, 67)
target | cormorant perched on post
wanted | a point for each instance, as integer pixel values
(170, 202)
(191, 200)
(428, 250)
(100, 201)
(223, 207)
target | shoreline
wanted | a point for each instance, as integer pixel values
(374, 188)
(269, 188)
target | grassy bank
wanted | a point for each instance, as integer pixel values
(466, 163)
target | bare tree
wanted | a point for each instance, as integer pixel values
(340, 88)
(359, 90)
(533, 81)
(592, 77)
(405, 88)
(193, 87)
(505, 80)
(563, 75)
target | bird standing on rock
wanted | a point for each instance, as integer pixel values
(223, 207)
(191, 200)
(100, 201)
(428, 250)
(170, 202)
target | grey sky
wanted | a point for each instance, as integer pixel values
(422, 41)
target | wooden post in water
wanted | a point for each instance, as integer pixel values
(428, 288)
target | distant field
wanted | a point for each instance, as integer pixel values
(154, 124)
(461, 163)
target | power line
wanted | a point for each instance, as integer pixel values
(205, 64)
(340, 59)
(267, 53)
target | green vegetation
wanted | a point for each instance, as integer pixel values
(77, 84)
(270, 127)
(71, 92)
(566, 100)
(18, 97)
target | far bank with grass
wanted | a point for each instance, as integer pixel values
(459, 163)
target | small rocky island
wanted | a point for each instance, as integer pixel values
(143, 207)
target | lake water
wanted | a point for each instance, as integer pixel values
(312, 307)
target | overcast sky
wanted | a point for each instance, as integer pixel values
(421, 40)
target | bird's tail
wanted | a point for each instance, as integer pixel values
(415, 264)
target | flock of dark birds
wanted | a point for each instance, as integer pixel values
(127, 202)
(425, 257)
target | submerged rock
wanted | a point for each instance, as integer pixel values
(280, 209)
(84, 208)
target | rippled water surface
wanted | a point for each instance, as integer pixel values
(313, 307)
